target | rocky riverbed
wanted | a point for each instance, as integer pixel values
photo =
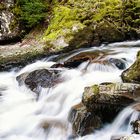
(67, 78)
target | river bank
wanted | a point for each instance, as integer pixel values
(66, 25)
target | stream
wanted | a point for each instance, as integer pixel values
(23, 115)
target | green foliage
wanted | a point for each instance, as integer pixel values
(2, 6)
(131, 13)
(107, 9)
(30, 12)
(63, 21)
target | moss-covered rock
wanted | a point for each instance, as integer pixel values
(110, 95)
(75, 23)
(20, 54)
(100, 104)
(132, 74)
(62, 27)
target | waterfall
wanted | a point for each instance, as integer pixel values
(24, 117)
(119, 126)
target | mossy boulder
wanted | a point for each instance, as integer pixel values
(75, 24)
(110, 95)
(132, 74)
(100, 104)
(62, 27)
(108, 32)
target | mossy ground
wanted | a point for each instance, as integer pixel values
(2, 7)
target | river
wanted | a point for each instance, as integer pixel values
(22, 115)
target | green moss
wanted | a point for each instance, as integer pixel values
(17, 10)
(110, 20)
(107, 9)
(95, 89)
(2, 7)
(79, 14)
(62, 24)
(64, 18)
(13, 24)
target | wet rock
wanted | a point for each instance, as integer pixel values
(83, 121)
(21, 78)
(132, 74)
(79, 58)
(108, 99)
(136, 126)
(57, 65)
(108, 33)
(96, 56)
(40, 78)
(100, 104)
(112, 95)
(92, 56)
(122, 138)
(119, 63)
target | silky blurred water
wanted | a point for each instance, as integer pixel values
(23, 117)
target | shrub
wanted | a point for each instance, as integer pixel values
(30, 12)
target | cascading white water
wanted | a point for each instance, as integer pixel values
(118, 128)
(22, 117)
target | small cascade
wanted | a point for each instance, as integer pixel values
(24, 115)
(119, 128)
(107, 58)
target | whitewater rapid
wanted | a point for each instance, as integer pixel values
(22, 117)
